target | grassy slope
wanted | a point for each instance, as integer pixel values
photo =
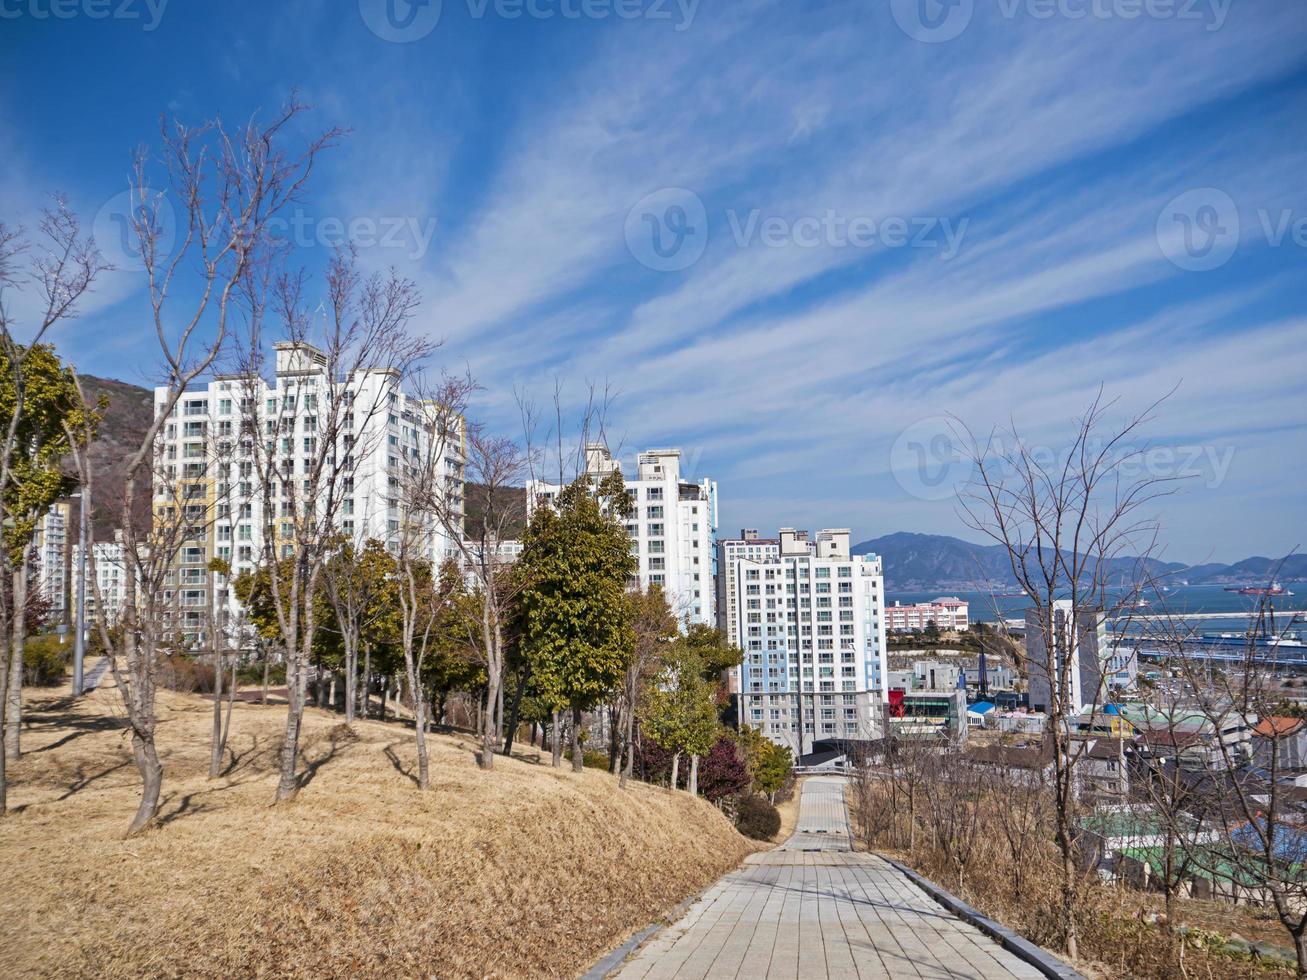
(523, 871)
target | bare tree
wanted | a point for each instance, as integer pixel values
(60, 272)
(1253, 845)
(431, 484)
(496, 466)
(356, 595)
(229, 185)
(326, 424)
(1065, 520)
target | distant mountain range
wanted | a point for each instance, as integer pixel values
(927, 562)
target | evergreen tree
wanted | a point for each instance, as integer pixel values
(575, 623)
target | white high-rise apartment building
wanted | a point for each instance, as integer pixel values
(673, 527)
(51, 554)
(1080, 643)
(110, 575)
(810, 618)
(748, 546)
(209, 464)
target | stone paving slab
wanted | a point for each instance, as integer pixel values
(814, 908)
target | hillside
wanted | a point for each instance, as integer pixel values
(915, 562)
(122, 426)
(533, 870)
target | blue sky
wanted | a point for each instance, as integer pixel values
(794, 237)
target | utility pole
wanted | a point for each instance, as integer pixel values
(79, 641)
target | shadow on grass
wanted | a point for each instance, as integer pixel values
(399, 766)
(337, 739)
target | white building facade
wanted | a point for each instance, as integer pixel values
(52, 556)
(672, 526)
(810, 618)
(749, 546)
(224, 439)
(1080, 647)
(110, 576)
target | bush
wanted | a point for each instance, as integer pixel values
(756, 818)
(253, 674)
(722, 772)
(185, 675)
(45, 660)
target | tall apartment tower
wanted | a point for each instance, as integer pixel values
(672, 526)
(208, 463)
(51, 553)
(810, 617)
(1079, 640)
(748, 546)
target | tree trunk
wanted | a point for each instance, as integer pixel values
(331, 692)
(4, 711)
(514, 713)
(320, 690)
(267, 665)
(629, 767)
(351, 680)
(231, 700)
(694, 775)
(367, 680)
(147, 762)
(385, 693)
(420, 727)
(14, 716)
(676, 769)
(215, 744)
(578, 757)
(556, 739)
(296, 690)
(489, 739)
(614, 744)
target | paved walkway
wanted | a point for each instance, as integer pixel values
(92, 680)
(813, 908)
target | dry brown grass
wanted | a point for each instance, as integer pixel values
(1115, 939)
(523, 871)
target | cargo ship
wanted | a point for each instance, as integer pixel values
(1273, 589)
